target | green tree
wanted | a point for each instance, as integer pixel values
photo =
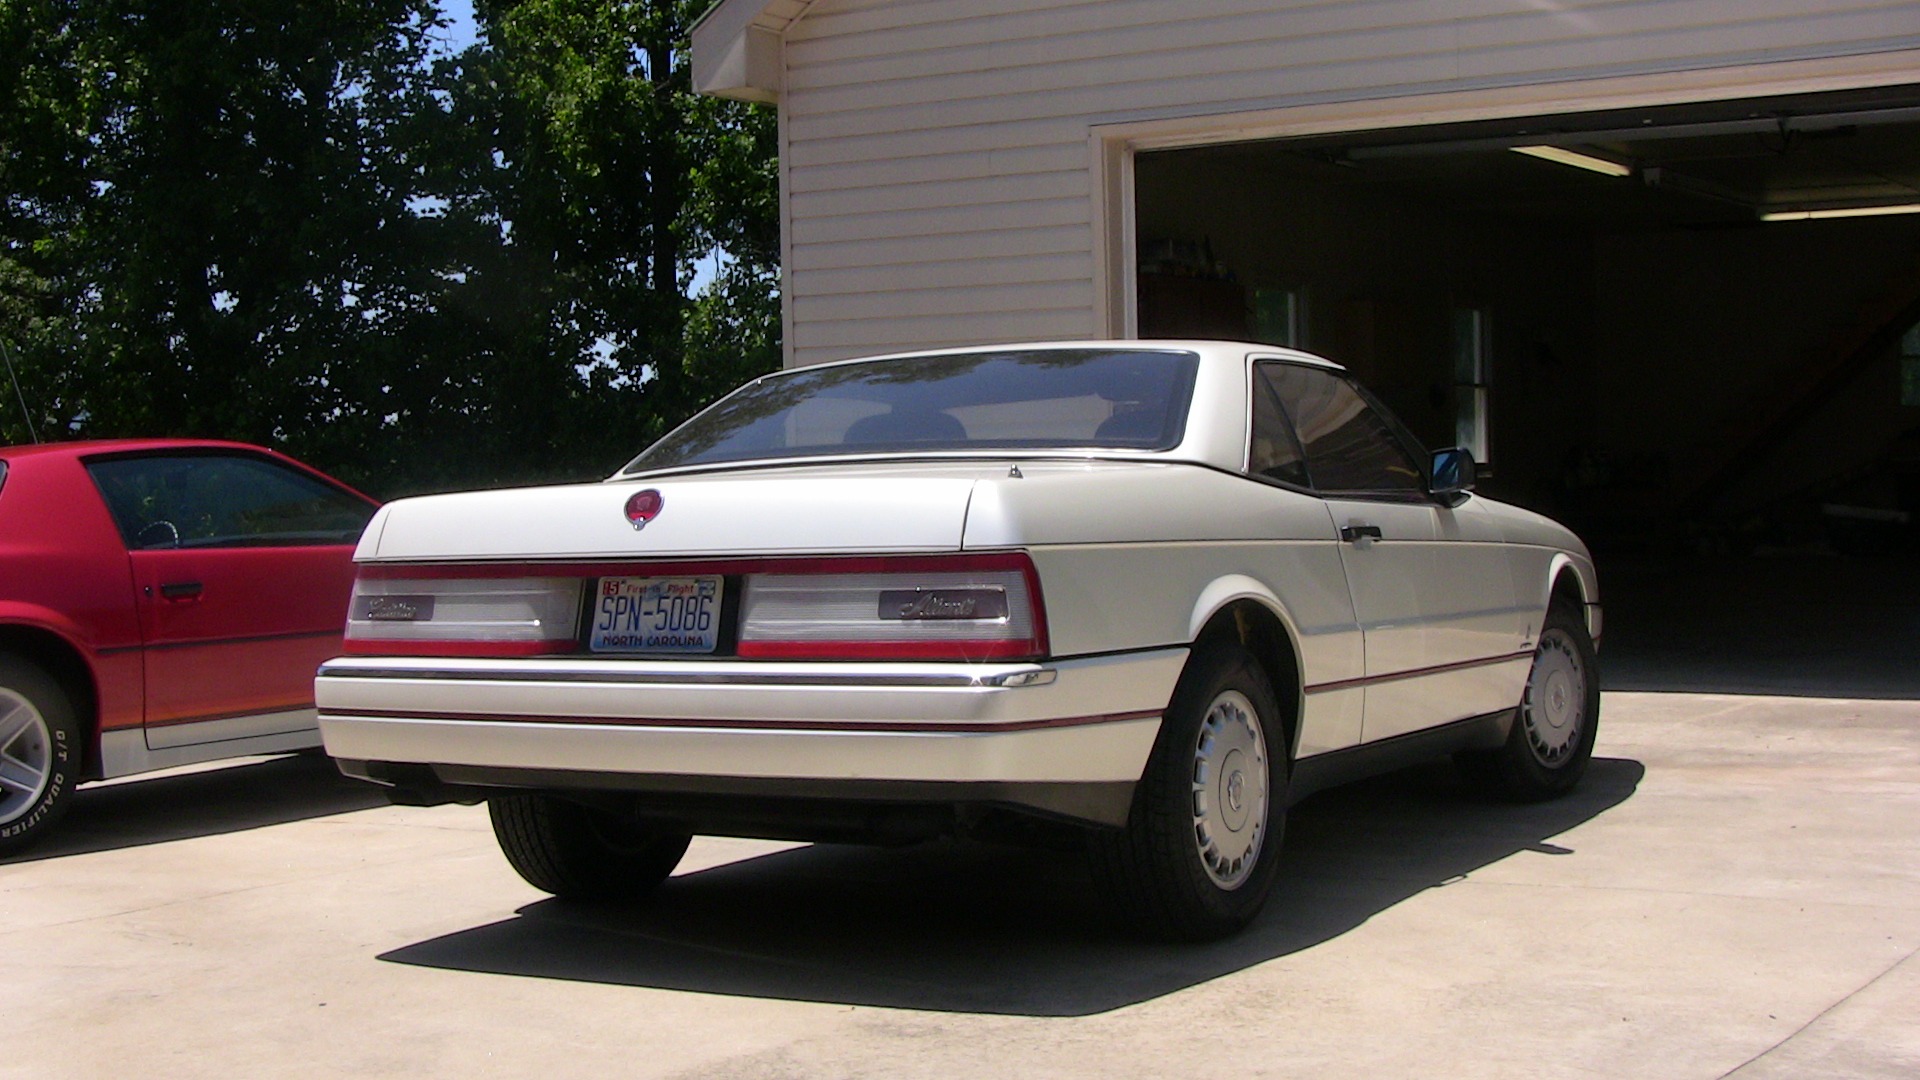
(295, 225)
(218, 205)
(611, 180)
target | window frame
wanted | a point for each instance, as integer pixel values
(1907, 390)
(1474, 387)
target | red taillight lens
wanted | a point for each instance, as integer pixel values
(965, 607)
(946, 607)
(446, 616)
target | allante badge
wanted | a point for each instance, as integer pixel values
(643, 507)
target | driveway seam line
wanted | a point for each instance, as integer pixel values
(1797, 1032)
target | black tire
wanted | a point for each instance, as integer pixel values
(1553, 732)
(1169, 875)
(40, 752)
(583, 853)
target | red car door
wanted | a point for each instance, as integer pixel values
(242, 566)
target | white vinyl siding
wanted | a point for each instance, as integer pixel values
(937, 164)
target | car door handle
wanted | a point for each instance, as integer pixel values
(181, 590)
(1353, 534)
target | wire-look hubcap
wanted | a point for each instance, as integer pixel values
(1230, 789)
(26, 755)
(1554, 712)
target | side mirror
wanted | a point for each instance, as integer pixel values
(1453, 475)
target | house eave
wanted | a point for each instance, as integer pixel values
(736, 50)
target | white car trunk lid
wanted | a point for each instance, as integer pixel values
(773, 512)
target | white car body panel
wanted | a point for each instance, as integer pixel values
(1149, 502)
(1119, 593)
(1434, 593)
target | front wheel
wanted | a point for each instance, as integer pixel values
(39, 752)
(1199, 852)
(580, 852)
(1551, 742)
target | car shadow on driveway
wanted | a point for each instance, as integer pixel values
(964, 927)
(179, 806)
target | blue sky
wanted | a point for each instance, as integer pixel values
(460, 32)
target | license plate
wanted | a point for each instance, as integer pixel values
(656, 615)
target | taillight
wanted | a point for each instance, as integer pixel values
(945, 607)
(969, 607)
(449, 616)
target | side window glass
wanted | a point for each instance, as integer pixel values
(1349, 445)
(1275, 453)
(211, 500)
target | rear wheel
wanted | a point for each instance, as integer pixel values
(1199, 851)
(580, 852)
(39, 752)
(1551, 742)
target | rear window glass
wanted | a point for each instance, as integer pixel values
(1131, 399)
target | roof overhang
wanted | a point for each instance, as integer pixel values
(736, 48)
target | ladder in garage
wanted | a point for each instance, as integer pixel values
(1752, 436)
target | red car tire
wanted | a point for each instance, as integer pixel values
(39, 752)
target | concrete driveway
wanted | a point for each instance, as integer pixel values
(1735, 891)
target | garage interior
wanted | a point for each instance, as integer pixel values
(1651, 348)
(1687, 331)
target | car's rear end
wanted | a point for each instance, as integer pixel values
(805, 696)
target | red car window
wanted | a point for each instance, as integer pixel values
(223, 500)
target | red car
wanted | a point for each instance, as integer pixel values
(162, 602)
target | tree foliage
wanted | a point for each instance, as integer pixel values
(298, 224)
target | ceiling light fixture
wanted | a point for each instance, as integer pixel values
(1576, 159)
(1841, 212)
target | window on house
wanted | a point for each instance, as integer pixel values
(1278, 318)
(1910, 366)
(1472, 381)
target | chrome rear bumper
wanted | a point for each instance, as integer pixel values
(1090, 721)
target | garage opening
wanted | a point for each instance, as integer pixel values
(1693, 328)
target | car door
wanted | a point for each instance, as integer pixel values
(242, 566)
(1434, 597)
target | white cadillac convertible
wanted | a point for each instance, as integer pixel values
(1145, 594)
